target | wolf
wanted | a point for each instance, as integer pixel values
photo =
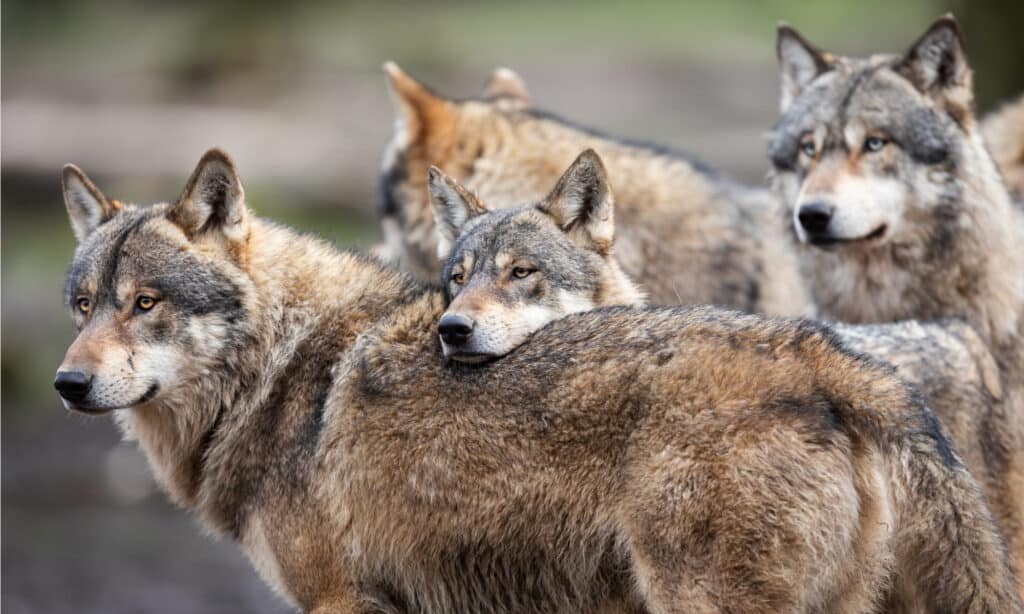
(687, 234)
(504, 267)
(525, 266)
(296, 399)
(1004, 134)
(897, 205)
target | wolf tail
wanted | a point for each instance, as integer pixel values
(950, 554)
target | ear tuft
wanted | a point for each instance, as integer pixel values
(506, 83)
(938, 58)
(581, 203)
(213, 199)
(799, 63)
(937, 66)
(454, 205)
(87, 206)
(418, 109)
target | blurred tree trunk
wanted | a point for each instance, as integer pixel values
(994, 30)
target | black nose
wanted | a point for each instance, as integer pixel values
(814, 217)
(72, 385)
(455, 329)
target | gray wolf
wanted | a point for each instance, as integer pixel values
(296, 399)
(685, 233)
(898, 206)
(512, 271)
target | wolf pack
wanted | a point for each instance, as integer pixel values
(588, 374)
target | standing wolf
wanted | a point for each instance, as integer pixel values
(688, 236)
(899, 208)
(511, 271)
(665, 460)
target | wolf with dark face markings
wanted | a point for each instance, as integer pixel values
(527, 252)
(685, 233)
(296, 399)
(898, 206)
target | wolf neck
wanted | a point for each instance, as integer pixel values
(307, 304)
(978, 274)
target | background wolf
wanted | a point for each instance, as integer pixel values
(899, 207)
(361, 471)
(1004, 135)
(686, 234)
(563, 255)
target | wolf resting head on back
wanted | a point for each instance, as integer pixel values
(511, 271)
(892, 191)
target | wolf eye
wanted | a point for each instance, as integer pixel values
(145, 303)
(808, 148)
(84, 305)
(874, 143)
(521, 272)
(458, 278)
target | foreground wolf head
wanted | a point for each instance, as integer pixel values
(686, 234)
(509, 272)
(892, 189)
(296, 399)
(157, 294)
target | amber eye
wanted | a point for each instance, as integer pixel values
(808, 148)
(458, 278)
(145, 303)
(874, 143)
(521, 272)
(84, 305)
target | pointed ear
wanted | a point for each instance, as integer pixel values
(799, 63)
(937, 65)
(505, 83)
(87, 206)
(213, 200)
(582, 204)
(454, 205)
(418, 109)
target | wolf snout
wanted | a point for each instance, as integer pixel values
(455, 329)
(72, 385)
(815, 217)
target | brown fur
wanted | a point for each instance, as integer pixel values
(688, 236)
(667, 460)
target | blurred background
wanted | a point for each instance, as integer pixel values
(134, 92)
